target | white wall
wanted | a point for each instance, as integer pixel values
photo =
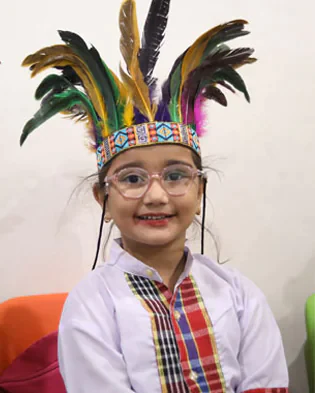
(264, 205)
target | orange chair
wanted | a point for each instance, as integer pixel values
(24, 320)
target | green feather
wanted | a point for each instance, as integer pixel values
(229, 75)
(175, 83)
(51, 82)
(100, 74)
(120, 104)
(55, 104)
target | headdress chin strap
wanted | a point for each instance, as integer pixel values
(203, 220)
(100, 232)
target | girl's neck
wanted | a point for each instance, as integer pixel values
(168, 261)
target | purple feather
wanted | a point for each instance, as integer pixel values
(162, 113)
(139, 118)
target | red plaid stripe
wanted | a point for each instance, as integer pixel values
(196, 342)
(268, 390)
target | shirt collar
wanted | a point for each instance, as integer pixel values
(121, 259)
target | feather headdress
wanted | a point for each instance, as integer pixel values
(123, 113)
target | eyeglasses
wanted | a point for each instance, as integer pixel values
(133, 183)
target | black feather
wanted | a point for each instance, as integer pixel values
(152, 38)
(166, 88)
(215, 94)
(203, 75)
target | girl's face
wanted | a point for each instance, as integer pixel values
(128, 214)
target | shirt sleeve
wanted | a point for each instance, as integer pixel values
(261, 355)
(89, 354)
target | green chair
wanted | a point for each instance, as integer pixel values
(310, 342)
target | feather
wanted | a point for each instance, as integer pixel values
(216, 68)
(128, 113)
(229, 75)
(51, 82)
(174, 74)
(102, 77)
(162, 113)
(227, 32)
(204, 74)
(70, 75)
(124, 104)
(200, 116)
(209, 40)
(208, 43)
(152, 38)
(139, 117)
(40, 55)
(51, 57)
(54, 84)
(226, 85)
(55, 104)
(215, 94)
(174, 107)
(129, 46)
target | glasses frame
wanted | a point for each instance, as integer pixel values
(113, 180)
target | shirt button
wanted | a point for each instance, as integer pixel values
(177, 315)
(149, 273)
(193, 375)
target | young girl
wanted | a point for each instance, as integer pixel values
(154, 317)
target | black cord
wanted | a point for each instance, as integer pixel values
(100, 233)
(203, 216)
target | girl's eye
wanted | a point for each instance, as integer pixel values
(176, 175)
(132, 178)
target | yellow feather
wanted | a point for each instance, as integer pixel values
(128, 113)
(129, 46)
(250, 60)
(125, 99)
(195, 52)
(54, 50)
(61, 56)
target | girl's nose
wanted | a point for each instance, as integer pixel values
(156, 193)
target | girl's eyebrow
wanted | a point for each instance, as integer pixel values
(141, 164)
(174, 162)
(131, 164)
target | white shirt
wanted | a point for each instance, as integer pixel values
(122, 331)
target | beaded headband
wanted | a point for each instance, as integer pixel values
(144, 135)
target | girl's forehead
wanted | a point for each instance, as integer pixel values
(152, 157)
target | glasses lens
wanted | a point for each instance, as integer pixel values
(132, 182)
(176, 179)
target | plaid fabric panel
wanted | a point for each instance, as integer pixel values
(268, 390)
(167, 355)
(196, 342)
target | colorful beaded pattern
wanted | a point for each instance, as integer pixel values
(146, 134)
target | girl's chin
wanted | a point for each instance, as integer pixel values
(154, 237)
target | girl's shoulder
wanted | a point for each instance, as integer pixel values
(223, 278)
(90, 295)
